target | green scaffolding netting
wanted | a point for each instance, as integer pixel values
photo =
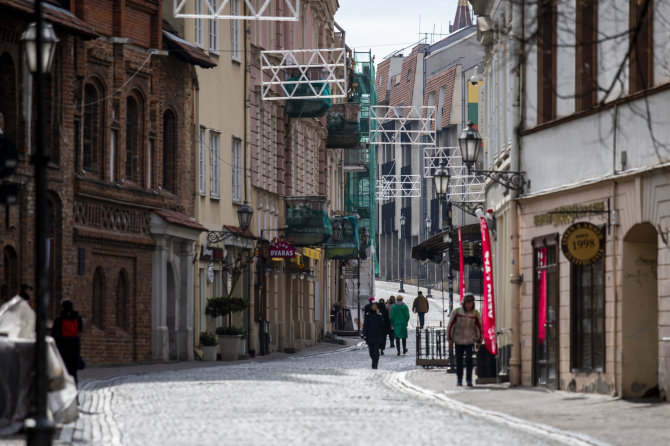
(307, 108)
(360, 190)
(307, 226)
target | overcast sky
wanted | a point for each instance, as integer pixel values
(388, 25)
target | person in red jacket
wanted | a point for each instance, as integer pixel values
(65, 331)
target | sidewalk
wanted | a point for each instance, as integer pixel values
(599, 418)
(104, 372)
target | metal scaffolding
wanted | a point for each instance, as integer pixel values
(215, 10)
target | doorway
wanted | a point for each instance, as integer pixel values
(545, 312)
(640, 312)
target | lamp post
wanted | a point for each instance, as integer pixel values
(363, 238)
(470, 143)
(39, 41)
(441, 180)
(404, 253)
(429, 225)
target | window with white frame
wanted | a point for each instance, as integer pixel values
(199, 34)
(202, 161)
(214, 164)
(235, 52)
(213, 30)
(237, 170)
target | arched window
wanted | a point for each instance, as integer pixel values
(10, 285)
(134, 119)
(170, 151)
(98, 298)
(122, 301)
(93, 132)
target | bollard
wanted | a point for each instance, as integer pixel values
(402, 289)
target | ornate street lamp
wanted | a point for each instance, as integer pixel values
(470, 143)
(337, 231)
(441, 179)
(244, 214)
(39, 41)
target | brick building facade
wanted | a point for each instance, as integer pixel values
(121, 175)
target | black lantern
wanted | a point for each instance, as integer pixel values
(429, 224)
(471, 144)
(402, 220)
(244, 214)
(337, 231)
(49, 41)
(441, 179)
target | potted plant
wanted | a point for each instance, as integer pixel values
(229, 341)
(208, 345)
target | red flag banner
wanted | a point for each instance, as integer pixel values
(461, 268)
(488, 306)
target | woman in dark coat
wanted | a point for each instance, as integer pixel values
(387, 322)
(65, 332)
(374, 332)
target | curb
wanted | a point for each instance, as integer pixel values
(400, 382)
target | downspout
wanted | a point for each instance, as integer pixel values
(518, 33)
(245, 96)
(615, 254)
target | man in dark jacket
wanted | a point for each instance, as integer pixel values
(65, 332)
(374, 332)
(421, 307)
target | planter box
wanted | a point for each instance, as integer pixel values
(243, 346)
(209, 352)
(229, 347)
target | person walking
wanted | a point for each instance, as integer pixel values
(65, 331)
(420, 306)
(374, 332)
(389, 306)
(465, 330)
(366, 308)
(399, 319)
(384, 312)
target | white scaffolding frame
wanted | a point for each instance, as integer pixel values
(463, 186)
(332, 65)
(398, 186)
(416, 122)
(261, 13)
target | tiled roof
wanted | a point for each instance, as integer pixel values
(180, 219)
(445, 79)
(58, 16)
(187, 51)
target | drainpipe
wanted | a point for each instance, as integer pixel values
(518, 32)
(615, 252)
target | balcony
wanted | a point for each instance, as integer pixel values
(356, 160)
(344, 130)
(307, 108)
(347, 246)
(307, 220)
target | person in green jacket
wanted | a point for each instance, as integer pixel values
(399, 318)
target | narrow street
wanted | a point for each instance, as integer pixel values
(331, 398)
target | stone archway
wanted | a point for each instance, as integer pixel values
(639, 311)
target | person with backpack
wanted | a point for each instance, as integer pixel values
(465, 330)
(65, 331)
(420, 306)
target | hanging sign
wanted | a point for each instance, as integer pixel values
(488, 306)
(583, 243)
(280, 248)
(312, 253)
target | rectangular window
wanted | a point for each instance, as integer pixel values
(588, 317)
(213, 30)
(641, 64)
(546, 60)
(198, 24)
(202, 161)
(586, 66)
(235, 53)
(113, 135)
(214, 157)
(237, 170)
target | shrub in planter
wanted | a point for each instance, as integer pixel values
(230, 331)
(207, 340)
(225, 306)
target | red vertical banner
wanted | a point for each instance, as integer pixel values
(488, 306)
(461, 268)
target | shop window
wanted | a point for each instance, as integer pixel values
(588, 317)
(97, 298)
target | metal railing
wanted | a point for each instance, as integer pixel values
(432, 347)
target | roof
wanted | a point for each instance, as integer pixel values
(59, 17)
(179, 219)
(186, 50)
(433, 248)
(236, 230)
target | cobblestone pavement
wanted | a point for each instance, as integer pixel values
(327, 399)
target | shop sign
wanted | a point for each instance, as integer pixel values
(565, 215)
(312, 253)
(583, 243)
(280, 248)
